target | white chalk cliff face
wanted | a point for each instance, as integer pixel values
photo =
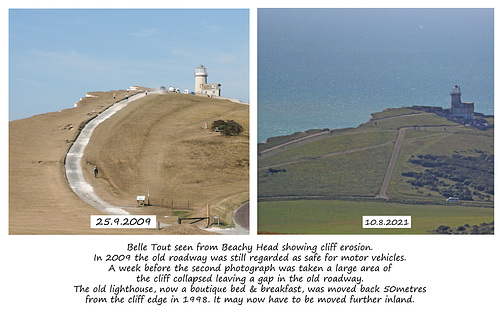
(87, 95)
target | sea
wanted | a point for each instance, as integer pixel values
(333, 68)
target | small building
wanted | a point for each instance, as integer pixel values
(459, 109)
(210, 89)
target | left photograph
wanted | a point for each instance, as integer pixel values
(129, 121)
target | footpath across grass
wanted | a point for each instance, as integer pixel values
(345, 217)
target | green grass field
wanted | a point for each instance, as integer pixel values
(332, 144)
(345, 169)
(347, 174)
(394, 112)
(345, 217)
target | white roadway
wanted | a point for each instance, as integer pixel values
(74, 173)
(83, 189)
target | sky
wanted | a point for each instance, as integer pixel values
(56, 56)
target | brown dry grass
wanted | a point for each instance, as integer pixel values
(40, 200)
(159, 143)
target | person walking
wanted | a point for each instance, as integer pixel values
(96, 171)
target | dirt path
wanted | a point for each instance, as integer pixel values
(306, 159)
(293, 141)
(329, 131)
(390, 166)
(401, 116)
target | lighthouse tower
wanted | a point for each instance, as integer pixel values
(459, 109)
(200, 78)
(201, 87)
(456, 95)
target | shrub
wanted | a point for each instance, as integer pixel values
(228, 128)
(410, 174)
(217, 125)
(443, 229)
(232, 128)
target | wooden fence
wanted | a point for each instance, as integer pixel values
(166, 203)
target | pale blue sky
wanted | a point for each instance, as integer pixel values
(56, 56)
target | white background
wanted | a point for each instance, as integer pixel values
(39, 272)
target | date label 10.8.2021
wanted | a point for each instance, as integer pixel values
(386, 221)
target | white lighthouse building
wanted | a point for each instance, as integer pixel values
(201, 86)
(460, 109)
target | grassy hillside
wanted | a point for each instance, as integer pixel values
(159, 144)
(40, 200)
(351, 164)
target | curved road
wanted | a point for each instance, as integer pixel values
(241, 217)
(73, 164)
(241, 222)
(85, 191)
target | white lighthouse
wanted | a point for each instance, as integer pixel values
(460, 109)
(201, 87)
(200, 78)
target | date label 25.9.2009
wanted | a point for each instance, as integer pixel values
(123, 221)
(386, 221)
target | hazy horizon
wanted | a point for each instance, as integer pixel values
(332, 68)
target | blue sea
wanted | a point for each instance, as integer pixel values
(332, 68)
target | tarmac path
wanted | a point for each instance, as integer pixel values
(394, 158)
(241, 216)
(85, 191)
(392, 164)
(73, 164)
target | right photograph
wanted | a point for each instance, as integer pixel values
(375, 121)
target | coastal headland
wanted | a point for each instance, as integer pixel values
(404, 160)
(42, 202)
